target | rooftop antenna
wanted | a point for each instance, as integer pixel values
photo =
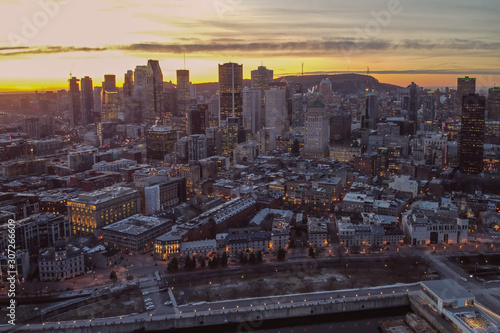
(184, 60)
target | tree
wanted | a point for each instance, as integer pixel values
(312, 254)
(259, 256)
(223, 259)
(252, 258)
(201, 261)
(243, 258)
(187, 263)
(214, 262)
(113, 276)
(340, 251)
(281, 254)
(173, 265)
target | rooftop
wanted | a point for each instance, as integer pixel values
(446, 289)
(136, 224)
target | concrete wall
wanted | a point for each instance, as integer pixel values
(243, 317)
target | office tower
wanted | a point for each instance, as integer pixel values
(47, 126)
(128, 83)
(74, 102)
(153, 88)
(82, 159)
(465, 86)
(494, 103)
(109, 83)
(371, 112)
(183, 93)
(31, 126)
(429, 102)
(230, 91)
(140, 75)
(198, 120)
(404, 95)
(317, 131)
(299, 108)
(110, 99)
(97, 101)
(230, 135)
(340, 127)
(261, 77)
(87, 100)
(198, 147)
(325, 89)
(276, 110)
(413, 102)
(160, 140)
(251, 109)
(471, 138)
(214, 141)
(267, 140)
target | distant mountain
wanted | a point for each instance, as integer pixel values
(342, 83)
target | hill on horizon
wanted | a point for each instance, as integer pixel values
(342, 83)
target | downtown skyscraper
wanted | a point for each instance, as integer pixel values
(87, 100)
(183, 92)
(261, 77)
(471, 138)
(465, 86)
(230, 91)
(413, 103)
(153, 88)
(75, 102)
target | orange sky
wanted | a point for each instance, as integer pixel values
(431, 43)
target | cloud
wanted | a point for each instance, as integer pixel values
(313, 47)
(25, 50)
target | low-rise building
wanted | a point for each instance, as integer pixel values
(60, 262)
(92, 211)
(167, 245)
(22, 265)
(427, 227)
(202, 248)
(136, 233)
(317, 232)
(36, 232)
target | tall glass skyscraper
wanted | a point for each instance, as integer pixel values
(471, 139)
(230, 91)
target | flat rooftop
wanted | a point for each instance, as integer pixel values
(446, 289)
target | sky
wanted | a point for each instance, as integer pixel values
(428, 42)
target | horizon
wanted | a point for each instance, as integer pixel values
(42, 39)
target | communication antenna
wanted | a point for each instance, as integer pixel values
(184, 60)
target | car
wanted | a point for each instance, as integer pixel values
(145, 293)
(151, 307)
(464, 279)
(147, 300)
(168, 303)
(149, 304)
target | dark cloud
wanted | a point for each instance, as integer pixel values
(14, 51)
(326, 45)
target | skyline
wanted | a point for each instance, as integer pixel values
(400, 41)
